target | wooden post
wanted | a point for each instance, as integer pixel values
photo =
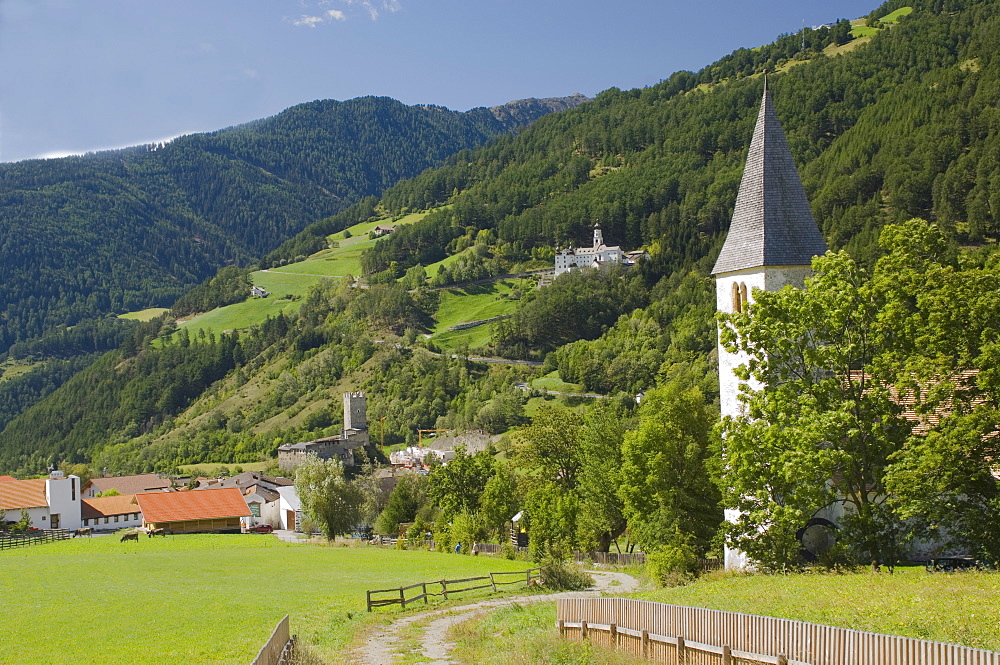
(583, 630)
(645, 643)
(681, 651)
(727, 655)
(614, 634)
(562, 628)
(369, 593)
(402, 598)
(444, 589)
(493, 582)
(782, 659)
(423, 586)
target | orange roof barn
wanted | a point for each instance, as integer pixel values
(209, 504)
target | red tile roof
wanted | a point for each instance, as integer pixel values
(17, 494)
(106, 506)
(145, 482)
(200, 505)
(6, 478)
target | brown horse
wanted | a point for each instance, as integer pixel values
(130, 536)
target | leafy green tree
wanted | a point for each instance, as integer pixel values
(668, 494)
(458, 485)
(827, 428)
(326, 496)
(407, 497)
(500, 501)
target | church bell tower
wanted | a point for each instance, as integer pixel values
(772, 240)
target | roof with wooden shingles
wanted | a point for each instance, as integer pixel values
(17, 494)
(106, 506)
(185, 506)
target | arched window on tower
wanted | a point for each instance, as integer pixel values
(737, 303)
(743, 296)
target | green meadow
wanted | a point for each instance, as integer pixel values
(958, 608)
(198, 598)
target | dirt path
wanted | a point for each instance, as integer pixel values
(381, 647)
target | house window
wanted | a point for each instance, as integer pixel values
(737, 303)
(116, 518)
(743, 295)
(85, 521)
(43, 518)
(105, 520)
(72, 486)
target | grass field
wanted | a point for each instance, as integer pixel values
(197, 598)
(144, 314)
(958, 608)
(552, 381)
(295, 280)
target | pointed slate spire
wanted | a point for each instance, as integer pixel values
(772, 223)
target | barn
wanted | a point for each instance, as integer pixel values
(204, 511)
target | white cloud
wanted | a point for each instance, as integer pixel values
(307, 21)
(374, 9)
(311, 21)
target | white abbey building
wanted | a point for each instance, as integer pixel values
(771, 243)
(588, 257)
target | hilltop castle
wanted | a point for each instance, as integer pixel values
(353, 435)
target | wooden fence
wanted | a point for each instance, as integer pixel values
(694, 636)
(279, 649)
(398, 595)
(33, 538)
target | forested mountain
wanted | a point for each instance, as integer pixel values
(82, 237)
(903, 125)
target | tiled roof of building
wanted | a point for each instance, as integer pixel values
(6, 478)
(145, 482)
(772, 223)
(183, 506)
(17, 494)
(106, 506)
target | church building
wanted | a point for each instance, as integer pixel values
(772, 240)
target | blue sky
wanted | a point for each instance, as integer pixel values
(79, 75)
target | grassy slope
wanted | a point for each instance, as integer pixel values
(145, 314)
(958, 608)
(197, 599)
(294, 279)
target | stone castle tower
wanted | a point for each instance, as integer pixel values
(772, 240)
(355, 411)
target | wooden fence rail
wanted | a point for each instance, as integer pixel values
(279, 649)
(679, 635)
(398, 595)
(33, 538)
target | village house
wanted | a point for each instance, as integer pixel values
(110, 513)
(51, 503)
(138, 484)
(353, 435)
(259, 292)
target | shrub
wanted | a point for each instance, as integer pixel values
(565, 577)
(672, 565)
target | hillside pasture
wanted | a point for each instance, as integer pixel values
(144, 314)
(295, 280)
(198, 598)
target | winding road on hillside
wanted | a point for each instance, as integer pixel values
(384, 646)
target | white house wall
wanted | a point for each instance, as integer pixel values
(63, 495)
